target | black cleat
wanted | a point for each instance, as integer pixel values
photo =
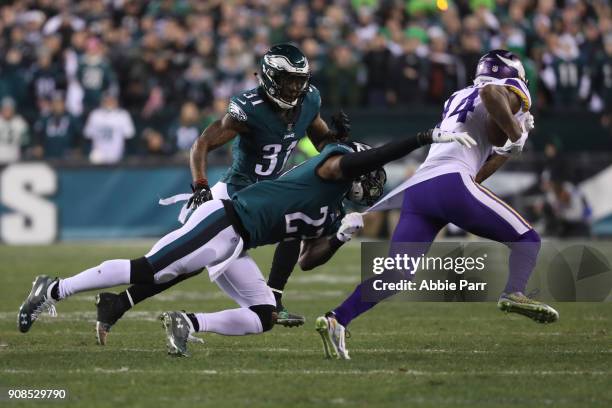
(39, 300)
(110, 309)
(288, 319)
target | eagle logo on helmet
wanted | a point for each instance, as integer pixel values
(285, 75)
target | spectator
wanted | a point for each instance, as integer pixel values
(187, 129)
(13, 132)
(377, 62)
(47, 78)
(342, 73)
(95, 75)
(108, 127)
(442, 67)
(408, 70)
(568, 211)
(13, 79)
(57, 132)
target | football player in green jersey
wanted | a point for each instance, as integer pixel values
(265, 124)
(219, 233)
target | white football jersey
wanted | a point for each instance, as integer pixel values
(13, 135)
(108, 130)
(463, 112)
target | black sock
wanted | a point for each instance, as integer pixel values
(285, 258)
(124, 299)
(279, 299)
(194, 321)
(140, 292)
(55, 290)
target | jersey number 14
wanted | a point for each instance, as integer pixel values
(463, 108)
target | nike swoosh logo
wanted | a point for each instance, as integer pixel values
(38, 289)
(242, 102)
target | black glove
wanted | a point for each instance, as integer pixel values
(341, 124)
(201, 194)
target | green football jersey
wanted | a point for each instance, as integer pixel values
(262, 153)
(297, 205)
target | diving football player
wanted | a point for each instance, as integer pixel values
(305, 204)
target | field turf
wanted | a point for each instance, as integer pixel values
(403, 354)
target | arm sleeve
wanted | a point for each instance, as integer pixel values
(354, 165)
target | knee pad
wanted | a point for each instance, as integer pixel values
(141, 271)
(266, 315)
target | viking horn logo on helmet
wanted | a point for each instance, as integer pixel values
(499, 64)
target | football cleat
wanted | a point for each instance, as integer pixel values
(109, 309)
(178, 331)
(38, 301)
(333, 335)
(287, 319)
(517, 302)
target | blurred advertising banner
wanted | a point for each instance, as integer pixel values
(40, 204)
(475, 271)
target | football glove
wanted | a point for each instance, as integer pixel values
(445, 136)
(341, 124)
(527, 122)
(350, 224)
(201, 194)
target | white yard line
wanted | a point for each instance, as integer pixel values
(127, 370)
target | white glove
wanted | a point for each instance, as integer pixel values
(527, 122)
(512, 148)
(444, 136)
(350, 224)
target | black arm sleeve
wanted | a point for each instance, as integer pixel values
(354, 165)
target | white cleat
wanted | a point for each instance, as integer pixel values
(333, 335)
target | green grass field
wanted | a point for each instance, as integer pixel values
(403, 354)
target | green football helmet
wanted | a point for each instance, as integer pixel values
(285, 75)
(368, 188)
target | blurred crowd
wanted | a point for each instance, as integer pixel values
(104, 78)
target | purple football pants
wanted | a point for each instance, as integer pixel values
(455, 198)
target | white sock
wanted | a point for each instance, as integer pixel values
(232, 322)
(105, 275)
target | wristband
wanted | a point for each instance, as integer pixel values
(201, 182)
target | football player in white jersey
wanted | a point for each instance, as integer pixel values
(446, 189)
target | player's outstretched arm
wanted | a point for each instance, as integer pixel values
(352, 165)
(502, 104)
(318, 251)
(320, 134)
